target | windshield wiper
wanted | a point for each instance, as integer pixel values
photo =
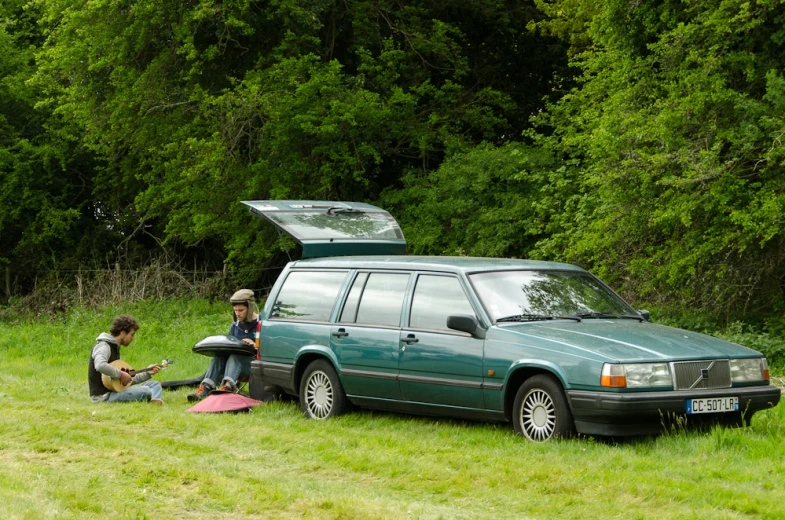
(536, 317)
(610, 315)
(337, 209)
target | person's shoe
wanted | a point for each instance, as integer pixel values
(226, 387)
(159, 402)
(201, 392)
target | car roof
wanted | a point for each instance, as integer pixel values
(432, 263)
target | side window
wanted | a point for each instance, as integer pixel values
(435, 298)
(308, 295)
(382, 299)
(349, 313)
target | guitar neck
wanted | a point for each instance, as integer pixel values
(163, 365)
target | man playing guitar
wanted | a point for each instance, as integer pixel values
(105, 352)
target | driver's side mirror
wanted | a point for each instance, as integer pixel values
(644, 315)
(466, 323)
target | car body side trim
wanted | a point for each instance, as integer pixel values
(369, 374)
(440, 381)
(427, 409)
(421, 379)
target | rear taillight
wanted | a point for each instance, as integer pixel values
(256, 337)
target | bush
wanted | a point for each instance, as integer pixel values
(771, 344)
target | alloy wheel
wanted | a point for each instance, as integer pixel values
(538, 415)
(319, 395)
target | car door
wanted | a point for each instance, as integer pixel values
(438, 365)
(299, 316)
(366, 337)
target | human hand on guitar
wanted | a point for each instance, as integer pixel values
(127, 374)
(125, 377)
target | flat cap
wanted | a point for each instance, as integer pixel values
(242, 296)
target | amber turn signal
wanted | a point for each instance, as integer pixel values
(614, 381)
(613, 376)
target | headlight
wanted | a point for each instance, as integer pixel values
(636, 375)
(749, 370)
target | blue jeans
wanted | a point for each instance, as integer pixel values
(142, 392)
(230, 368)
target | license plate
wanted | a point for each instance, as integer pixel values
(713, 405)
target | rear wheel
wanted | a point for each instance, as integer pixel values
(540, 410)
(321, 393)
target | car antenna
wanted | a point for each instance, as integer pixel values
(284, 243)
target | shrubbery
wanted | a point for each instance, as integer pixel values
(653, 157)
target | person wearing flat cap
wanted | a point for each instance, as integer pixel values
(225, 370)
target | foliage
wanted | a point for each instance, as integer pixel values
(769, 342)
(100, 288)
(654, 158)
(666, 176)
(490, 201)
(678, 123)
(196, 106)
(47, 214)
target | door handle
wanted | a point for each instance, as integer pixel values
(410, 339)
(340, 333)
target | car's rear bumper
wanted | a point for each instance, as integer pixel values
(279, 374)
(640, 413)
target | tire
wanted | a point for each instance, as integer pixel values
(540, 411)
(321, 393)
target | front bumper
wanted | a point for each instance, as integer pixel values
(641, 413)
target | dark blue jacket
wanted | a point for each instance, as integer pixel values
(244, 329)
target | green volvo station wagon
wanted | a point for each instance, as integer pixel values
(547, 346)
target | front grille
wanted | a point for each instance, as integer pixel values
(702, 374)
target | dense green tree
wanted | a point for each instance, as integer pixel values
(490, 201)
(195, 106)
(47, 215)
(126, 127)
(678, 126)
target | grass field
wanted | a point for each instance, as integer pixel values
(63, 457)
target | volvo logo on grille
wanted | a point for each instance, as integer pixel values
(704, 376)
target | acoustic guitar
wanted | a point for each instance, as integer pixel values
(116, 385)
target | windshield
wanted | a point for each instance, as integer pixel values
(547, 293)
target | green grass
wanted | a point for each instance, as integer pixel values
(63, 457)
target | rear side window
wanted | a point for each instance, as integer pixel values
(308, 295)
(382, 299)
(435, 298)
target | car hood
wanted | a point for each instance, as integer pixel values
(623, 340)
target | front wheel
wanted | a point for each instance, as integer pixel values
(321, 393)
(540, 411)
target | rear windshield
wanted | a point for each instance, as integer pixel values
(552, 293)
(337, 225)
